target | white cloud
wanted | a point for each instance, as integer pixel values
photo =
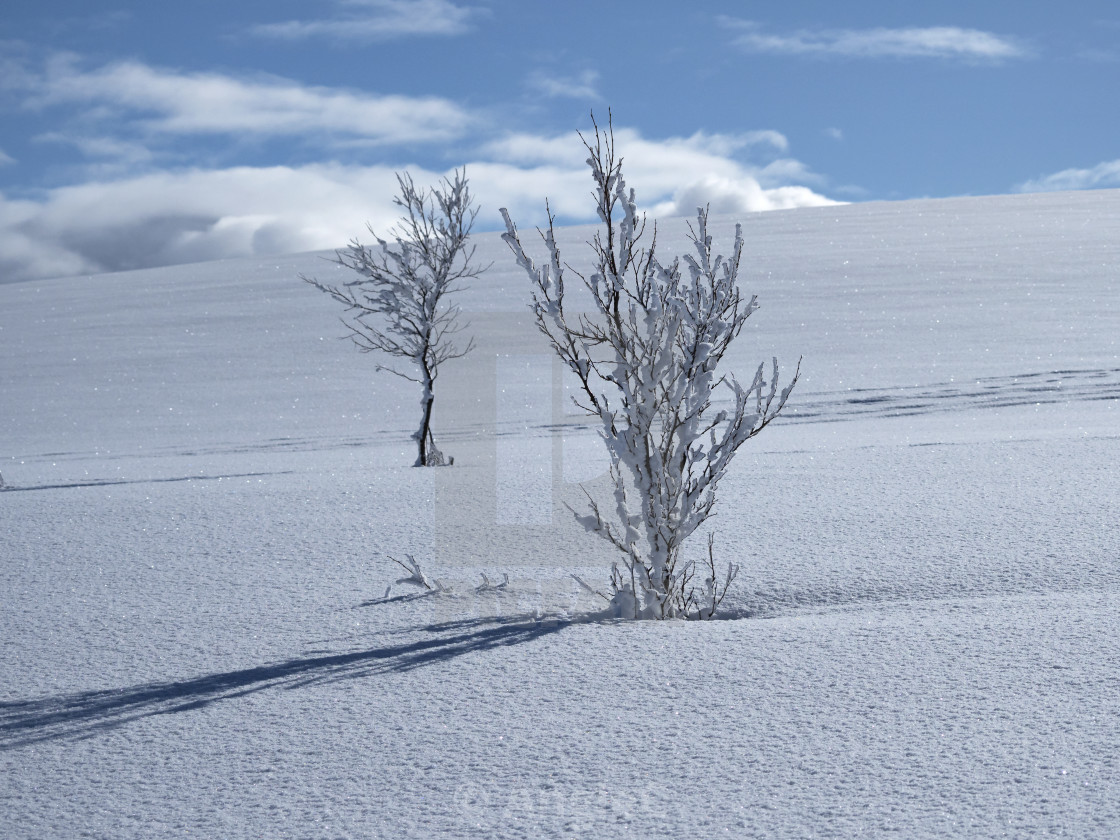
(5, 158)
(123, 153)
(578, 87)
(784, 171)
(739, 195)
(24, 252)
(672, 177)
(164, 218)
(379, 20)
(949, 42)
(1102, 175)
(835, 133)
(775, 139)
(165, 102)
(699, 149)
(167, 218)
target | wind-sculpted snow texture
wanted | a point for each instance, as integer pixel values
(200, 633)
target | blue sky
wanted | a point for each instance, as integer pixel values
(135, 134)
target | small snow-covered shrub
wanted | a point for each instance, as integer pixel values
(645, 359)
(397, 306)
(416, 576)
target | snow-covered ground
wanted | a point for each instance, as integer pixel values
(196, 637)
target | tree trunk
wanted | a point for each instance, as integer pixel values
(425, 433)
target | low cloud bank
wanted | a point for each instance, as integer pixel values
(166, 218)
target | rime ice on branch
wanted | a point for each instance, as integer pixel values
(646, 360)
(397, 305)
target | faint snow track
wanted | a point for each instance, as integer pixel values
(1039, 388)
(111, 482)
(1061, 386)
(1042, 388)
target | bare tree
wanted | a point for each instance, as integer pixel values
(397, 306)
(645, 359)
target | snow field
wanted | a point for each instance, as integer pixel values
(195, 637)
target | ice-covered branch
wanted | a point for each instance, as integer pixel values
(645, 360)
(398, 307)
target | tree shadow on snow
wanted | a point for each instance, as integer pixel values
(85, 714)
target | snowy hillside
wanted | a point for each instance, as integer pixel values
(204, 484)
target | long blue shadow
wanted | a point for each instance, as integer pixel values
(83, 714)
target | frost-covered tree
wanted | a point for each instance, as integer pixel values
(398, 304)
(645, 359)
